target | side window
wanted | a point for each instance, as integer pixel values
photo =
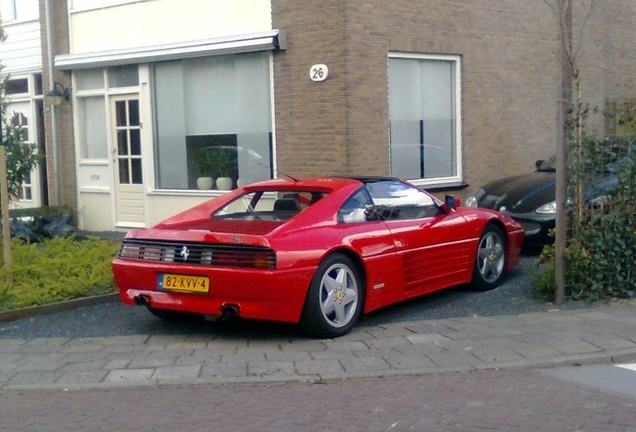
(353, 210)
(394, 199)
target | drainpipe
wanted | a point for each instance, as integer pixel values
(53, 108)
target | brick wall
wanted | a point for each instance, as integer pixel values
(510, 77)
(66, 149)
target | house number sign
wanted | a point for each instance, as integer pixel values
(318, 72)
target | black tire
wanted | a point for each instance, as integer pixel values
(335, 298)
(490, 259)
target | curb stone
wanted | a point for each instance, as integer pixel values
(58, 307)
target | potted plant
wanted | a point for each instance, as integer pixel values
(204, 165)
(225, 161)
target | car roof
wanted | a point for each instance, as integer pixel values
(320, 183)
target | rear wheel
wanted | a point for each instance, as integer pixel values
(490, 261)
(335, 298)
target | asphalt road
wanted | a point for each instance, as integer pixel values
(513, 296)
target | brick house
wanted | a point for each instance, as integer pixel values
(444, 93)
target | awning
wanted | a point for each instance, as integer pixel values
(271, 40)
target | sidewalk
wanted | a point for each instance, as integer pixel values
(601, 334)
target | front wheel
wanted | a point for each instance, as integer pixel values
(490, 261)
(335, 298)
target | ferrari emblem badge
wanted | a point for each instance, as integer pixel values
(185, 253)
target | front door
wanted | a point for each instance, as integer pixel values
(127, 157)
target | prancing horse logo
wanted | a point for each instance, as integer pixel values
(185, 253)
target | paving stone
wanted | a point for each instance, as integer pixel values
(246, 356)
(574, 346)
(131, 340)
(187, 346)
(129, 375)
(152, 361)
(197, 359)
(5, 376)
(11, 345)
(166, 340)
(358, 334)
(34, 378)
(121, 363)
(385, 342)
(305, 346)
(326, 355)
(84, 357)
(214, 352)
(10, 357)
(610, 342)
(278, 369)
(496, 354)
(49, 342)
(401, 361)
(318, 367)
(345, 345)
(371, 363)
(287, 356)
(88, 348)
(82, 367)
(177, 372)
(227, 343)
(420, 348)
(37, 365)
(385, 331)
(426, 338)
(446, 359)
(224, 370)
(82, 377)
(535, 350)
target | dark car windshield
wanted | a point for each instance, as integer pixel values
(548, 165)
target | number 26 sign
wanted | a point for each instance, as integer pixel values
(318, 72)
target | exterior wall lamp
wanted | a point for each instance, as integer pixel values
(59, 93)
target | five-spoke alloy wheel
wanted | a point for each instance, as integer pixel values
(490, 262)
(335, 298)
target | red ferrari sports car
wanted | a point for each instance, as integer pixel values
(319, 252)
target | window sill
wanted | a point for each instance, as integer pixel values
(446, 187)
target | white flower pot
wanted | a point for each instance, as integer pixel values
(205, 182)
(224, 183)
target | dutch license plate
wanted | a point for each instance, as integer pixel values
(176, 282)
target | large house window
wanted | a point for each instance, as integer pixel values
(425, 121)
(212, 119)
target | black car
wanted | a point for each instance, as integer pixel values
(530, 198)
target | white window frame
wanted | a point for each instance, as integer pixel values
(29, 97)
(457, 179)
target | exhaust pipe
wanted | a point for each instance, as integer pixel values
(142, 300)
(229, 310)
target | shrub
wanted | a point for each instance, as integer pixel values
(600, 255)
(56, 270)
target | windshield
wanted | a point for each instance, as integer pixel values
(549, 165)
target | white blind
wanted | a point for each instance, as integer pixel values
(422, 107)
(222, 95)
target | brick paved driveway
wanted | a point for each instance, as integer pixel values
(511, 401)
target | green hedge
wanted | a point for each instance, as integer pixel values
(56, 270)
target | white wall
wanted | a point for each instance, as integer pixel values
(21, 52)
(101, 25)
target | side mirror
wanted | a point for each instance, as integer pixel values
(371, 213)
(538, 163)
(451, 202)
